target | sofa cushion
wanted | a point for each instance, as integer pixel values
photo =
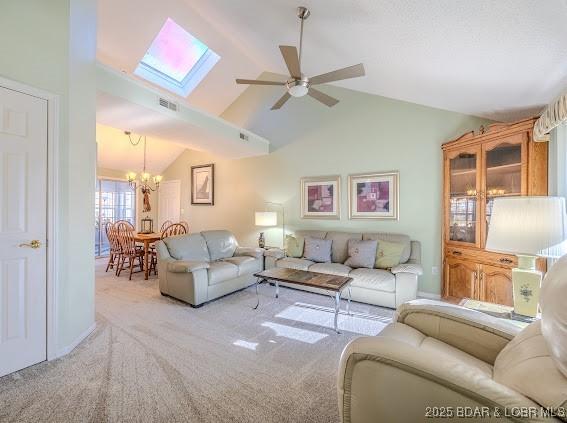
(361, 253)
(187, 247)
(221, 244)
(249, 251)
(294, 245)
(294, 263)
(246, 264)
(402, 239)
(339, 249)
(317, 250)
(388, 254)
(376, 279)
(526, 365)
(554, 312)
(220, 271)
(331, 269)
(186, 266)
(304, 233)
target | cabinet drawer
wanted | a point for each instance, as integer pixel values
(484, 257)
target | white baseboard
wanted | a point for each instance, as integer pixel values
(429, 295)
(66, 350)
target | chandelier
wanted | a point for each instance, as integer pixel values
(143, 180)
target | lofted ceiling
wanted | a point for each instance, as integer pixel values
(114, 151)
(500, 59)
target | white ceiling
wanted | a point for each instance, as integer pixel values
(501, 59)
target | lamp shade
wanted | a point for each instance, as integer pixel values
(266, 218)
(526, 225)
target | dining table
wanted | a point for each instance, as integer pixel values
(147, 239)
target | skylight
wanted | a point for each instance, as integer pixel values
(176, 60)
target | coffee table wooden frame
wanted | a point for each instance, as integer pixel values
(332, 283)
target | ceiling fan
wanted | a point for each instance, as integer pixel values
(298, 84)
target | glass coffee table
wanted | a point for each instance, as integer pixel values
(334, 284)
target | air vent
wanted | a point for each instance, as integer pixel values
(167, 104)
(243, 137)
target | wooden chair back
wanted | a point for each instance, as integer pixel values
(127, 222)
(185, 225)
(126, 238)
(165, 224)
(173, 229)
(112, 234)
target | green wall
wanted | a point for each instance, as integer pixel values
(51, 45)
(363, 133)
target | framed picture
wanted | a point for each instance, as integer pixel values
(373, 195)
(203, 185)
(321, 197)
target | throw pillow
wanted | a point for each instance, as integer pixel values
(361, 253)
(388, 254)
(294, 246)
(317, 250)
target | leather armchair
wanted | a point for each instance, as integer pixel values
(445, 361)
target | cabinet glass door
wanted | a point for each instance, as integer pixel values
(504, 174)
(463, 174)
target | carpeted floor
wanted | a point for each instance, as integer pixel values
(152, 358)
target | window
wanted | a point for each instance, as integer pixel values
(114, 200)
(176, 60)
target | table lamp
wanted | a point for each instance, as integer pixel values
(526, 227)
(265, 218)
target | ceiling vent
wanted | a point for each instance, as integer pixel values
(243, 137)
(167, 104)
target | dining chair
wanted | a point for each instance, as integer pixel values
(130, 253)
(110, 229)
(164, 225)
(173, 229)
(185, 225)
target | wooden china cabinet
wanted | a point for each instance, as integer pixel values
(501, 160)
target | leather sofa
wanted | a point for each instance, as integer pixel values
(445, 361)
(200, 267)
(386, 288)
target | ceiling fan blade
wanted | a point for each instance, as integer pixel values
(281, 101)
(327, 100)
(336, 75)
(291, 58)
(258, 82)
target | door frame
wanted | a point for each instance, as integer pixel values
(52, 243)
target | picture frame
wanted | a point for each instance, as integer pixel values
(320, 197)
(374, 195)
(203, 185)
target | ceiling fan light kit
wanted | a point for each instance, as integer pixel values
(298, 85)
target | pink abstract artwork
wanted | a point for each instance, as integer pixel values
(373, 196)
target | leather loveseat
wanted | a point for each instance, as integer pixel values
(382, 287)
(200, 267)
(439, 361)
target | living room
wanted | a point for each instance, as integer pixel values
(312, 212)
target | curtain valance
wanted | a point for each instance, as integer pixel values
(554, 115)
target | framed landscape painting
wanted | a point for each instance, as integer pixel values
(320, 197)
(373, 195)
(203, 185)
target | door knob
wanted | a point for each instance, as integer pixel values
(36, 243)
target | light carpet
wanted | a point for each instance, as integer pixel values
(152, 358)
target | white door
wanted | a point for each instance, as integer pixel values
(169, 201)
(23, 214)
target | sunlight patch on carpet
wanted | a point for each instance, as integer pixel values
(303, 335)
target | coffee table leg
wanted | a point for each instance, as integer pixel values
(258, 282)
(337, 308)
(277, 289)
(348, 303)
